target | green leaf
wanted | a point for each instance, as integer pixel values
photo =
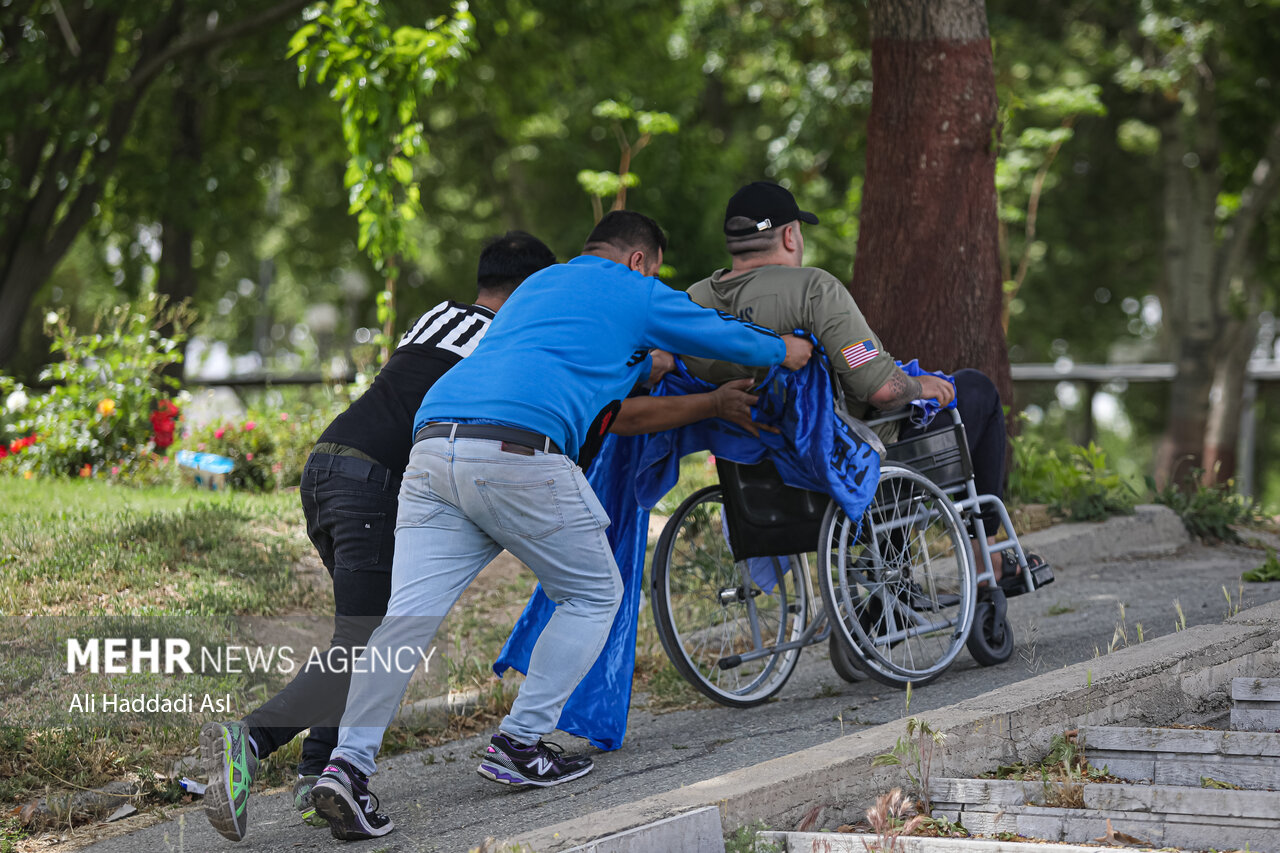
(402, 170)
(611, 109)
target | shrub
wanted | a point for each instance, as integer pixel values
(1074, 481)
(106, 387)
(1210, 513)
(269, 448)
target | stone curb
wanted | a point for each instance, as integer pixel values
(1152, 529)
(1186, 675)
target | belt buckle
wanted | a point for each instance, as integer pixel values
(512, 447)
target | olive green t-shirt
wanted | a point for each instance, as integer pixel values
(784, 299)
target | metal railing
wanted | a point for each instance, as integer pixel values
(1090, 378)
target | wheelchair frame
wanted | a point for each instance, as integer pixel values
(734, 627)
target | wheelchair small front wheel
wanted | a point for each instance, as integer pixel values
(719, 619)
(991, 639)
(843, 661)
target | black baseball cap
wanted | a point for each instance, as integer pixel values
(766, 204)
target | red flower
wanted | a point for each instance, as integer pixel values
(162, 423)
(219, 432)
(250, 426)
(4, 451)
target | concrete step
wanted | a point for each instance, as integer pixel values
(1185, 756)
(1255, 704)
(1159, 815)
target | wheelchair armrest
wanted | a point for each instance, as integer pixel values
(901, 414)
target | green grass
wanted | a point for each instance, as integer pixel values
(90, 559)
(696, 471)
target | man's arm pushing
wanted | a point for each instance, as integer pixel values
(731, 402)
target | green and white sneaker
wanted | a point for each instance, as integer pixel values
(230, 763)
(302, 801)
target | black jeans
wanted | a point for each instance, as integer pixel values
(350, 506)
(978, 402)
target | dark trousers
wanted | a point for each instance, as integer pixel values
(978, 402)
(350, 507)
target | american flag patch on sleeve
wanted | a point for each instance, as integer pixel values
(856, 355)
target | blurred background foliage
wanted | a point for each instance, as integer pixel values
(227, 148)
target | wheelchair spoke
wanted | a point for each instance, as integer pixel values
(713, 610)
(901, 584)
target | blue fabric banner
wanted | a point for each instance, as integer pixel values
(816, 450)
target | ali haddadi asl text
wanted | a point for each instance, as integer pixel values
(149, 703)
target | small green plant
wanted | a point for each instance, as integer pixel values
(1076, 482)
(1268, 571)
(1233, 606)
(1210, 782)
(914, 753)
(1180, 624)
(1209, 512)
(106, 386)
(602, 185)
(1120, 638)
(744, 840)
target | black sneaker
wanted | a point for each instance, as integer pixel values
(230, 764)
(342, 797)
(510, 763)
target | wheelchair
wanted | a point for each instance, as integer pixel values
(900, 588)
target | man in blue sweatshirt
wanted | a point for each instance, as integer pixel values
(493, 467)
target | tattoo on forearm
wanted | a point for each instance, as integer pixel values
(904, 389)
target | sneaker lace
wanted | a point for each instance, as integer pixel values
(554, 748)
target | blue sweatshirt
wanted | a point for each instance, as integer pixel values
(574, 337)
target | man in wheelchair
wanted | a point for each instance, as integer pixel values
(767, 285)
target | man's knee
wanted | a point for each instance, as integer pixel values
(976, 385)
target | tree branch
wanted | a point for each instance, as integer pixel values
(1254, 200)
(144, 73)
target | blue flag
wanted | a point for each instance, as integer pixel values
(816, 450)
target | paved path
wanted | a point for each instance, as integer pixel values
(439, 803)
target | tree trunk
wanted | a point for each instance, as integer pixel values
(177, 276)
(1225, 402)
(1210, 309)
(927, 272)
(1189, 152)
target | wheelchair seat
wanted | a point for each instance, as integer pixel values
(765, 516)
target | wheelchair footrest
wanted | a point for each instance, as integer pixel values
(1042, 574)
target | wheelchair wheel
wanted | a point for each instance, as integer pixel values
(719, 619)
(900, 586)
(847, 665)
(990, 641)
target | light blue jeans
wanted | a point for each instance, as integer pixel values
(461, 502)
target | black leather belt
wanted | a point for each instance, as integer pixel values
(494, 432)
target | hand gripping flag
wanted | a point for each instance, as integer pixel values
(923, 410)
